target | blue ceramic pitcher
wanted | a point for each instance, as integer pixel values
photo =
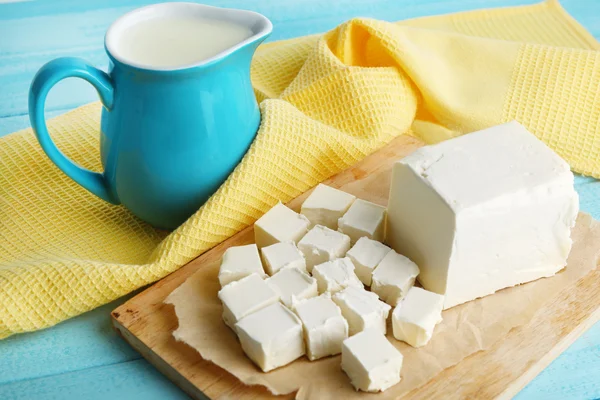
(169, 136)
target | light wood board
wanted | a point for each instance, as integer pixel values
(501, 371)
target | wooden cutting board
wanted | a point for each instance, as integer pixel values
(500, 372)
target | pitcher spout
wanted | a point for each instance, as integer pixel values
(259, 26)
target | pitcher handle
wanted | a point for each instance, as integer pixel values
(43, 81)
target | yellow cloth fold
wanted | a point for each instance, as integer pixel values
(327, 101)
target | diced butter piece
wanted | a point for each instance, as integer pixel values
(363, 218)
(366, 254)
(393, 277)
(324, 326)
(271, 337)
(279, 224)
(362, 309)
(336, 275)
(292, 282)
(244, 297)
(322, 244)
(371, 362)
(239, 262)
(326, 205)
(414, 319)
(282, 255)
(485, 211)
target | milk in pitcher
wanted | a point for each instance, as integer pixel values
(176, 41)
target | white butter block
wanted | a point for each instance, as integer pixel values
(239, 262)
(336, 275)
(485, 211)
(279, 224)
(371, 362)
(271, 337)
(393, 277)
(324, 326)
(244, 297)
(366, 254)
(362, 309)
(282, 255)
(415, 318)
(326, 205)
(322, 244)
(292, 282)
(363, 219)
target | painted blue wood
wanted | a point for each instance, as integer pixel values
(83, 357)
(70, 346)
(127, 380)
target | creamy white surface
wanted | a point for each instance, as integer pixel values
(362, 310)
(271, 337)
(371, 362)
(293, 282)
(244, 297)
(482, 212)
(279, 224)
(239, 262)
(415, 318)
(366, 254)
(325, 205)
(322, 244)
(324, 326)
(282, 255)
(363, 219)
(333, 276)
(393, 277)
(176, 41)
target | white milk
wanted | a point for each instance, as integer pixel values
(176, 41)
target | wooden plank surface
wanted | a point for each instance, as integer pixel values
(500, 372)
(75, 359)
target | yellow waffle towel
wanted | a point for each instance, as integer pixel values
(327, 101)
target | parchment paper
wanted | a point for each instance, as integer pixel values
(465, 330)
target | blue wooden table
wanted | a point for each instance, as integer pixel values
(83, 358)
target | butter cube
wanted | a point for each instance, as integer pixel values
(414, 319)
(239, 262)
(291, 282)
(336, 275)
(282, 255)
(244, 297)
(279, 224)
(482, 212)
(366, 254)
(271, 337)
(324, 327)
(326, 205)
(362, 309)
(322, 244)
(363, 219)
(393, 277)
(371, 362)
